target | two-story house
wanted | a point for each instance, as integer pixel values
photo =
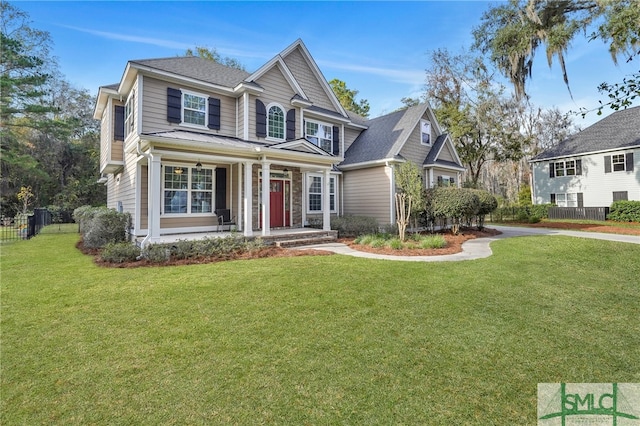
(184, 139)
(594, 167)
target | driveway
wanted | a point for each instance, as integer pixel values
(478, 248)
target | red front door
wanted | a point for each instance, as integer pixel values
(276, 200)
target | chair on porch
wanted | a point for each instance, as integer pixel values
(225, 219)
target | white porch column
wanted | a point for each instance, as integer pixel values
(248, 200)
(240, 206)
(266, 204)
(155, 197)
(326, 202)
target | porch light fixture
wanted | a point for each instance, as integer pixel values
(198, 166)
(178, 170)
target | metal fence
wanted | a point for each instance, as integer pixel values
(23, 227)
(588, 213)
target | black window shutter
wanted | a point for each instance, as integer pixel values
(578, 167)
(553, 198)
(629, 162)
(214, 113)
(291, 124)
(580, 199)
(452, 181)
(336, 140)
(607, 164)
(118, 123)
(174, 105)
(261, 119)
(552, 170)
(440, 180)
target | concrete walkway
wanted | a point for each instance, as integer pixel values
(478, 248)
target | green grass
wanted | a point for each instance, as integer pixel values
(313, 340)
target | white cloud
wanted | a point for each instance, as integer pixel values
(406, 76)
(132, 38)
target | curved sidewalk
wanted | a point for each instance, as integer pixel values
(478, 248)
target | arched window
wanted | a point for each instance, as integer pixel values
(275, 122)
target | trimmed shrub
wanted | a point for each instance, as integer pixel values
(455, 204)
(625, 211)
(349, 226)
(120, 252)
(100, 226)
(487, 203)
(217, 248)
(540, 210)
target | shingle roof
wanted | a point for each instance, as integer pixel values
(619, 130)
(197, 68)
(385, 136)
(435, 149)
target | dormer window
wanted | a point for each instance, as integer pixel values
(275, 122)
(425, 132)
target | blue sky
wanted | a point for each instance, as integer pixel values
(378, 48)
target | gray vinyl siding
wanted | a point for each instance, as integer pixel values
(276, 90)
(596, 186)
(367, 193)
(307, 80)
(413, 149)
(187, 222)
(154, 118)
(350, 136)
(446, 154)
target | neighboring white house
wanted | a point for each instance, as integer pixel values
(594, 167)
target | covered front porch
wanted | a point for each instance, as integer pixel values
(185, 192)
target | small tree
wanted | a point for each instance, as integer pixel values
(403, 210)
(25, 196)
(409, 181)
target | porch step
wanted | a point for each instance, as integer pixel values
(305, 241)
(302, 238)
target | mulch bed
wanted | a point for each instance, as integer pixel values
(454, 245)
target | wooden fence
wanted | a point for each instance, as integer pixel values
(588, 213)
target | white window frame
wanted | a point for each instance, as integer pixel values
(189, 191)
(205, 111)
(425, 123)
(615, 163)
(129, 114)
(333, 195)
(317, 143)
(284, 123)
(569, 199)
(564, 168)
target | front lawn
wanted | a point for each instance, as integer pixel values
(312, 340)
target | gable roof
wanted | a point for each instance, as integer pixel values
(197, 68)
(384, 136)
(432, 157)
(619, 130)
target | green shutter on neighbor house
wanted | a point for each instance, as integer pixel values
(580, 199)
(553, 198)
(552, 170)
(628, 162)
(174, 105)
(214, 114)
(261, 119)
(578, 167)
(607, 164)
(118, 123)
